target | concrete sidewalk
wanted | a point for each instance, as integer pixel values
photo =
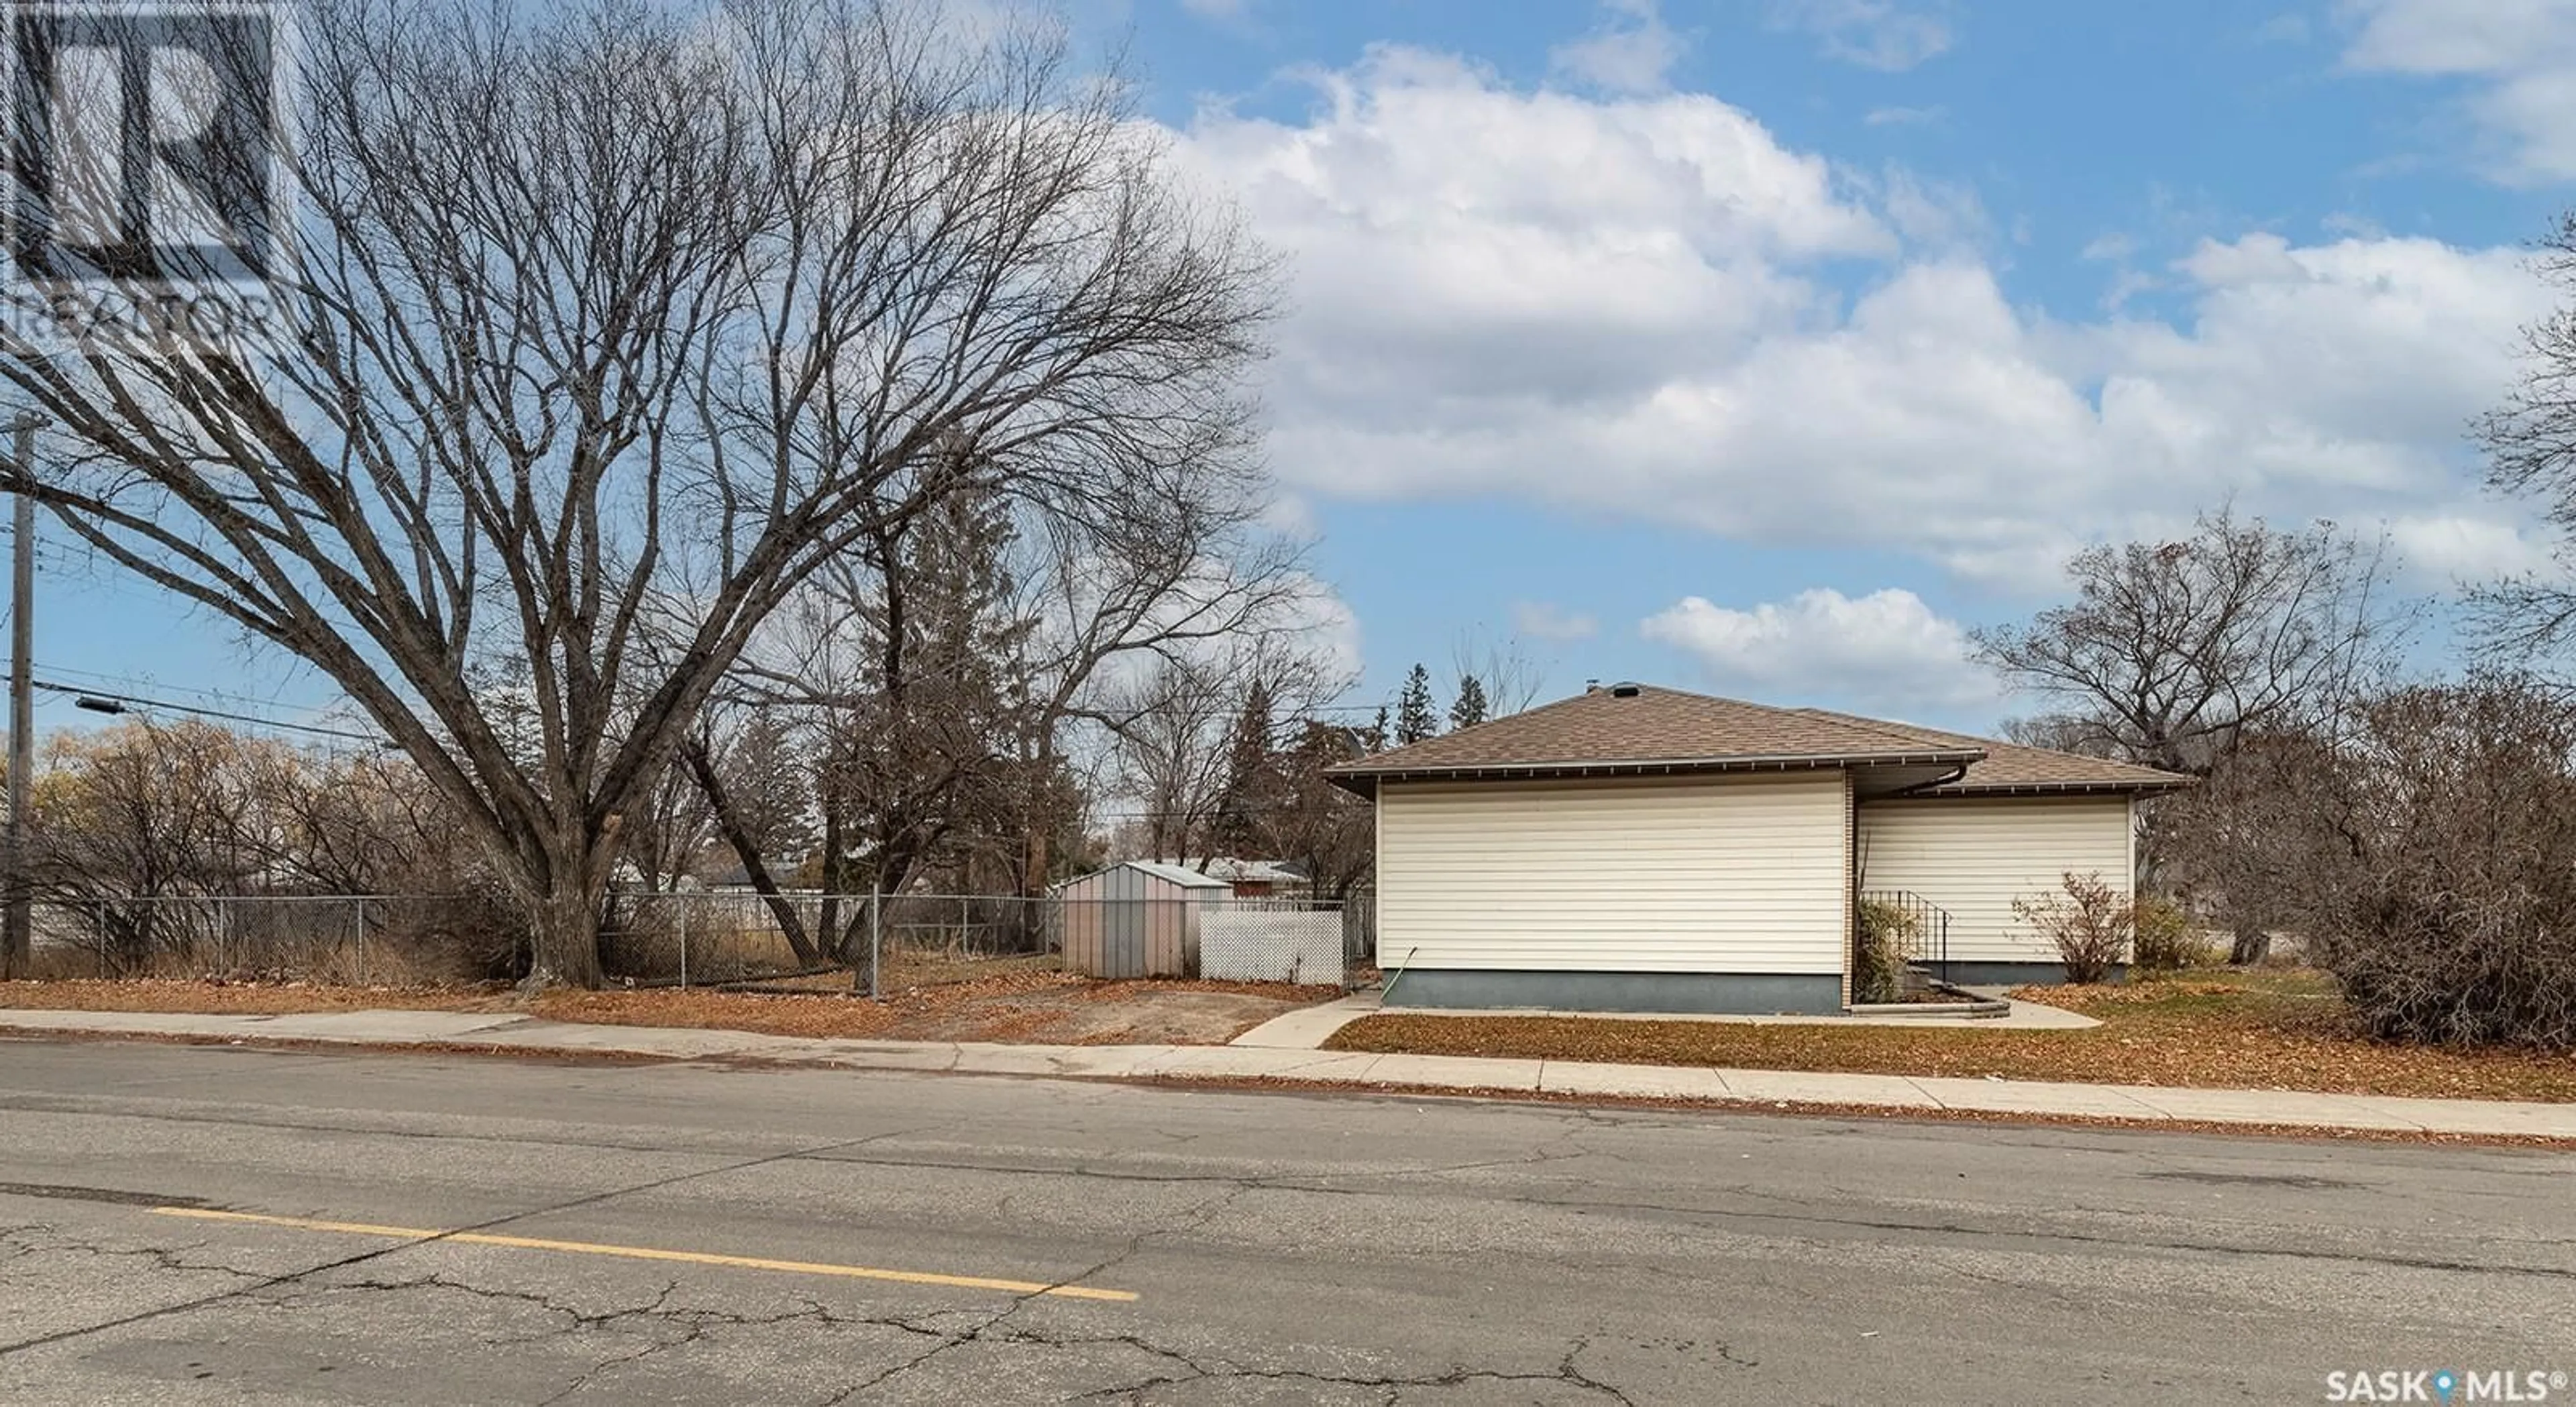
(504, 1033)
(1308, 1027)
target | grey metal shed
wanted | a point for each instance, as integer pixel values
(1135, 919)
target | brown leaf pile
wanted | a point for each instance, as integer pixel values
(2263, 1031)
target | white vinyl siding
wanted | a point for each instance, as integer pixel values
(1739, 875)
(1973, 856)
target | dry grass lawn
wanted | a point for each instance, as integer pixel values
(2222, 1029)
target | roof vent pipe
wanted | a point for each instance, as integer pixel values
(1592, 686)
(1626, 689)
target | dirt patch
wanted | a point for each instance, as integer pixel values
(1023, 1004)
(1035, 1007)
(2282, 1030)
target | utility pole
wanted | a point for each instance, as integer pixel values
(17, 944)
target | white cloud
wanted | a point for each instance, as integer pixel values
(1542, 621)
(2519, 54)
(1886, 650)
(1630, 306)
(2439, 550)
(1629, 52)
(1218, 9)
(1872, 33)
(2114, 246)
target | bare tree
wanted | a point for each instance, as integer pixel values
(2058, 732)
(2530, 441)
(1173, 735)
(2443, 865)
(2175, 654)
(147, 810)
(619, 322)
(1171, 752)
(972, 733)
(2172, 651)
(1190, 575)
(2248, 844)
(362, 822)
(1503, 670)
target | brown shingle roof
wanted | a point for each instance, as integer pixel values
(1612, 730)
(1652, 727)
(2011, 767)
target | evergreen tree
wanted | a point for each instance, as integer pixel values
(769, 785)
(1251, 778)
(1469, 710)
(1416, 717)
(1374, 740)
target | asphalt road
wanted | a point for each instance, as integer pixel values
(688, 1234)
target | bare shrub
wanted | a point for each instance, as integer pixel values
(2447, 915)
(2164, 939)
(2090, 922)
(1884, 934)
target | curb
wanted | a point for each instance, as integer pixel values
(1362, 1082)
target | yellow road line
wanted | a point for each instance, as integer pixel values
(592, 1248)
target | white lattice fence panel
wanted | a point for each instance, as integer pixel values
(1252, 944)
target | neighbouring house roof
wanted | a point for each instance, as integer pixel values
(1238, 871)
(1639, 729)
(1181, 875)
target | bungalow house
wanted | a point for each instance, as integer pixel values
(1646, 849)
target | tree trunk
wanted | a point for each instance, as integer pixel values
(2252, 946)
(746, 847)
(564, 917)
(565, 928)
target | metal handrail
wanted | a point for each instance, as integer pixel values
(1928, 933)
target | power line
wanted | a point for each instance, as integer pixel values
(124, 701)
(163, 686)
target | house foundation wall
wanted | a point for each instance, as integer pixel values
(1696, 993)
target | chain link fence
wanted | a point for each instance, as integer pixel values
(874, 942)
(383, 940)
(868, 943)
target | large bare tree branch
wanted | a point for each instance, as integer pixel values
(619, 322)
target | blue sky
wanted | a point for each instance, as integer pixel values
(1766, 345)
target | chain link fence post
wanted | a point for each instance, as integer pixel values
(876, 938)
(358, 942)
(684, 947)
